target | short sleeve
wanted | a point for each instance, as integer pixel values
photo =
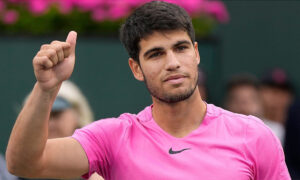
(101, 141)
(265, 152)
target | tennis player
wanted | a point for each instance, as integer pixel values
(179, 136)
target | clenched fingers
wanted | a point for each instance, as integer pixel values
(43, 61)
(55, 52)
(63, 49)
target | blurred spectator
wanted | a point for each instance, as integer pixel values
(292, 141)
(242, 96)
(202, 84)
(4, 174)
(69, 111)
(277, 95)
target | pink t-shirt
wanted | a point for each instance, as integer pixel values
(225, 146)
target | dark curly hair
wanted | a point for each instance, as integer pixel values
(150, 17)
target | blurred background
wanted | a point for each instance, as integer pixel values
(257, 38)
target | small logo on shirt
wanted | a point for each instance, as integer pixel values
(176, 152)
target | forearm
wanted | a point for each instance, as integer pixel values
(29, 135)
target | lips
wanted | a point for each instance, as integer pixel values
(174, 77)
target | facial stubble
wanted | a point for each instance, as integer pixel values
(168, 97)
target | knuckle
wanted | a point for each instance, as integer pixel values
(36, 58)
(51, 53)
(44, 58)
(58, 47)
(55, 42)
(44, 46)
(40, 60)
(40, 53)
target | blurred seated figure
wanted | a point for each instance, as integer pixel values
(69, 112)
(4, 174)
(292, 141)
(277, 95)
(242, 96)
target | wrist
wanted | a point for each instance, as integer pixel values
(47, 93)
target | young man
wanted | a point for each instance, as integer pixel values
(178, 137)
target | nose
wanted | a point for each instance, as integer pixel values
(172, 61)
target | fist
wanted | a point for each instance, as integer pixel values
(54, 62)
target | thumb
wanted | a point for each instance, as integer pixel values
(72, 37)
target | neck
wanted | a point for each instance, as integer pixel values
(179, 119)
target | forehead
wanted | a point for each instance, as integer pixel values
(162, 39)
(243, 89)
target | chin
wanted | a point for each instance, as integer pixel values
(177, 97)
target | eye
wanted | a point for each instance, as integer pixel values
(181, 48)
(155, 54)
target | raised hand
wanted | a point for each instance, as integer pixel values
(54, 63)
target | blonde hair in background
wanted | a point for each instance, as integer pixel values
(75, 97)
(78, 101)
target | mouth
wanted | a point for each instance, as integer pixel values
(175, 79)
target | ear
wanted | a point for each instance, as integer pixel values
(136, 69)
(197, 52)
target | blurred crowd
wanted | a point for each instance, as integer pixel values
(272, 99)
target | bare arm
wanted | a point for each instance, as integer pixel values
(29, 153)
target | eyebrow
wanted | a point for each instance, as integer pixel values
(178, 43)
(182, 42)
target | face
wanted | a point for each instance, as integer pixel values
(244, 100)
(275, 99)
(62, 124)
(168, 65)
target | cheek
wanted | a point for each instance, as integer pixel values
(152, 72)
(53, 124)
(190, 61)
(150, 77)
(69, 122)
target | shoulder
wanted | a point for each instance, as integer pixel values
(250, 128)
(235, 120)
(117, 125)
(260, 146)
(124, 120)
(256, 135)
(108, 126)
